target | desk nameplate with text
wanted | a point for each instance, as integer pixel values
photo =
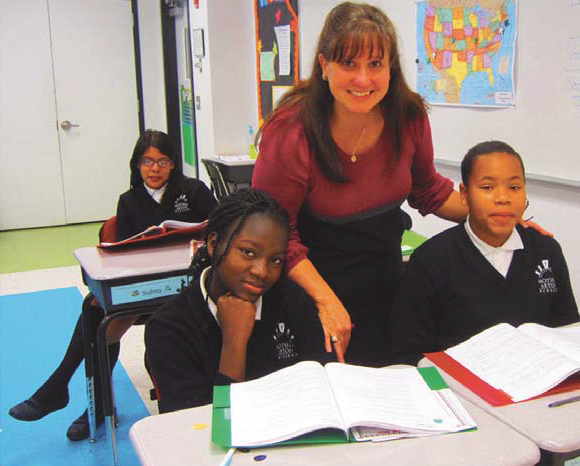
(151, 289)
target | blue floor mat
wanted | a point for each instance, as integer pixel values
(35, 329)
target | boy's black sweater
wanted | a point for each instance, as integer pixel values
(451, 292)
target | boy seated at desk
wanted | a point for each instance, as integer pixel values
(237, 320)
(484, 271)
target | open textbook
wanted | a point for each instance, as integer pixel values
(521, 362)
(375, 404)
(164, 229)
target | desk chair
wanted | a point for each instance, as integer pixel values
(219, 187)
(227, 177)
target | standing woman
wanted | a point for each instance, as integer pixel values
(159, 191)
(341, 152)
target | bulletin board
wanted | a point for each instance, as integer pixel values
(277, 51)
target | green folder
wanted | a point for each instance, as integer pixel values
(221, 419)
(410, 242)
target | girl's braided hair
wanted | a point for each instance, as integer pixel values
(236, 207)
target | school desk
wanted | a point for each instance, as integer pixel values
(184, 437)
(127, 282)
(556, 431)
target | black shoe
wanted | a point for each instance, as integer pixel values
(32, 410)
(79, 429)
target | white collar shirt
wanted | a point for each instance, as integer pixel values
(501, 257)
(156, 194)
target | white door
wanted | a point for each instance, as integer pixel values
(88, 78)
(31, 192)
(94, 74)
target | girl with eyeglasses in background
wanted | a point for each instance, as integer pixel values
(159, 191)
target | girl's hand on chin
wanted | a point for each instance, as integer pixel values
(236, 318)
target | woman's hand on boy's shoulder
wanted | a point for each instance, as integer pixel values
(236, 318)
(535, 226)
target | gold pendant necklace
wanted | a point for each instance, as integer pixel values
(353, 157)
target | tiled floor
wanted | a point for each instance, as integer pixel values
(16, 259)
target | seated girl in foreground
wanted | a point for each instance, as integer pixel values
(236, 321)
(484, 271)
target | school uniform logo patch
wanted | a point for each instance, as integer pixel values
(546, 280)
(284, 339)
(180, 205)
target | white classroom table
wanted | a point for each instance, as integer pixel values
(554, 430)
(184, 438)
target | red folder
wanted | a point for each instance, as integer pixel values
(485, 391)
(194, 232)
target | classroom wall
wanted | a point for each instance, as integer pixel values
(198, 18)
(232, 35)
(225, 87)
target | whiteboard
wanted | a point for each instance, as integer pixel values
(544, 124)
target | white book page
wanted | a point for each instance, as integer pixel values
(377, 434)
(512, 361)
(176, 224)
(446, 399)
(455, 409)
(287, 403)
(386, 397)
(573, 331)
(565, 340)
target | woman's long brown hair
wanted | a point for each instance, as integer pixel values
(350, 29)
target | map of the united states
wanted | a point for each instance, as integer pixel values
(463, 57)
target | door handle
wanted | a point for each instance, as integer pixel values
(66, 125)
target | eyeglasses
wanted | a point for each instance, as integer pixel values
(161, 163)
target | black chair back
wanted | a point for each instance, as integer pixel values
(218, 185)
